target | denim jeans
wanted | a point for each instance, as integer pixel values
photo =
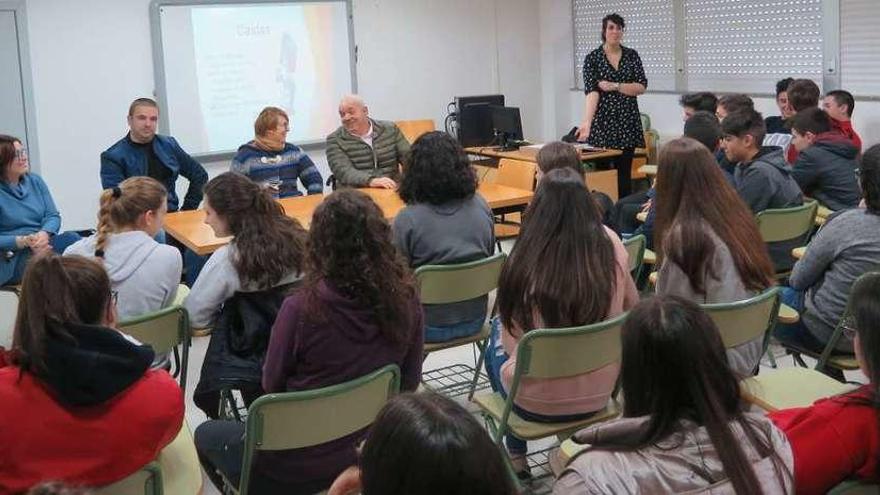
(445, 333)
(59, 243)
(796, 334)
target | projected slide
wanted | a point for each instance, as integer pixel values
(224, 63)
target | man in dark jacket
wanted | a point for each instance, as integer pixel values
(364, 152)
(762, 178)
(826, 163)
(143, 152)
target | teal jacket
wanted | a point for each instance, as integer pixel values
(354, 163)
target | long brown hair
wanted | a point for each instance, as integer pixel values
(562, 267)
(693, 196)
(270, 244)
(7, 153)
(122, 205)
(351, 249)
(674, 367)
(56, 291)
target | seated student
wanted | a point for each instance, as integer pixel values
(775, 124)
(762, 178)
(426, 443)
(837, 438)
(565, 270)
(708, 240)
(364, 152)
(556, 155)
(840, 105)
(269, 160)
(77, 397)
(846, 247)
(357, 311)
(444, 222)
(29, 221)
(727, 105)
(247, 279)
(143, 273)
(826, 165)
(697, 102)
(683, 427)
(802, 94)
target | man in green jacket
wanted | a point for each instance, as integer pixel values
(364, 152)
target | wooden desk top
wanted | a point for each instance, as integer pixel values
(190, 229)
(798, 252)
(529, 157)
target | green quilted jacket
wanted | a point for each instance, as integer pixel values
(354, 163)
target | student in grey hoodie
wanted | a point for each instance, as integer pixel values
(762, 178)
(144, 273)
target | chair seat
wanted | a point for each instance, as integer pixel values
(506, 230)
(787, 314)
(493, 404)
(785, 388)
(839, 361)
(476, 338)
(642, 216)
(568, 449)
(650, 257)
(855, 487)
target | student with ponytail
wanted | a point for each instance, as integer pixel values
(144, 273)
(78, 399)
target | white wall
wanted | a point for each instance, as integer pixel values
(90, 58)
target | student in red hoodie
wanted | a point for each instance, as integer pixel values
(78, 400)
(839, 438)
(840, 105)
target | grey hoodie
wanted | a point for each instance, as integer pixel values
(766, 182)
(144, 273)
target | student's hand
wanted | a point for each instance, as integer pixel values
(583, 132)
(383, 183)
(39, 242)
(862, 203)
(647, 206)
(347, 483)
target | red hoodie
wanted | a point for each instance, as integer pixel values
(843, 127)
(831, 440)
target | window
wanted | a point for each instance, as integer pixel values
(859, 56)
(650, 29)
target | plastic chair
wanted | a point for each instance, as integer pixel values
(444, 284)
(635, 250)
(296, 420)
(855, 487)
(9, 295)
(784, 388)
(785, 224)
(743, 321)
(164, 330)
(553, 353)
(145, 481)
(412, 129)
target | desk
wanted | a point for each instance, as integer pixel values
(189, 227)
(492, 152)
(798, 252)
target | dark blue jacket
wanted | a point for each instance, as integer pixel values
(124, 160)
(826, 171)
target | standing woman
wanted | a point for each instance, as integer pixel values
(29, 221)
(613, 78)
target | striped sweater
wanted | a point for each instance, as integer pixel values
(286, 166)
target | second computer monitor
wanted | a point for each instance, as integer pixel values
(507, 124)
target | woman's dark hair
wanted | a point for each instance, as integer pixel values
(869, 178)
(56, 291)
(562, 267)
(782, 85)
(559, 155)
(437, 171)
(692, 197)
(269, 244)
(427, 444)
(350, 249)
(674, 367)
(616, 19)
(7, 153)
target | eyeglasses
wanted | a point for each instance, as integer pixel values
(114, 297)
(22, 153)
(849, 329)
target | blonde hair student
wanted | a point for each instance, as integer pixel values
(143, 272)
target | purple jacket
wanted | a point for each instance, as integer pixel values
(305, 356)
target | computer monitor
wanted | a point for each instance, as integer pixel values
(507, 125)
(474, 120)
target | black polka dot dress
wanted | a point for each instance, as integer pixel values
(617, 123)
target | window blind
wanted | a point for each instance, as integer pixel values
(859, 54)
(650, 29)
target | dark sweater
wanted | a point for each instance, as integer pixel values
(826, 171)
(308, 355)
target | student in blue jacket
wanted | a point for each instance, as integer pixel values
(29, 220)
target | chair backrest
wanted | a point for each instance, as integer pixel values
(635, 251)
(8, 311)
(783, 224)
(646, 121)
(296, 420)
(443, 284)
(145, 481)
(516, 173)
(412, 129)
(838, 329)
(562, 352)
(855, 487)
(164, 329)
(743, 321)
